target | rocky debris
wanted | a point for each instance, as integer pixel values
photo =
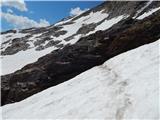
(52, 43)
(51, 30)
(9, 31)
(49, 44)
(58, 33)
(86, 28)
(70, 37)
(42, 39)
(39, 42)
(45, 38)
(39, 48)
(17, 45)
(64, 64)
(59, 45)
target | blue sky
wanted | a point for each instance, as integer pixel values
(28, 13)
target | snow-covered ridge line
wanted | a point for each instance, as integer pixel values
(121, 88)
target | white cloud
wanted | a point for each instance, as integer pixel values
(77, 11)
(9, 11)
(18, 4)
(22, 22)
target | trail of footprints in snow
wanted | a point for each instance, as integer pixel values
(121, 89)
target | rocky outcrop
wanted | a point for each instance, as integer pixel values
(66, 63)
(86, 28)
(17, 45)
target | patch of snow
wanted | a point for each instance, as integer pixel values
(11, 63)
(71, 29)
(93, 17)
(146, 14)
(124, 87)
(31, 45)
(108, 24)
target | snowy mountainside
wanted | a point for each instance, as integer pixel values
(61, 55)
(63, 64)
(124, 87)
(27, 45)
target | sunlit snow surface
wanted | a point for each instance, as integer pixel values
(10, 63)
(124, 87)
(108, 23)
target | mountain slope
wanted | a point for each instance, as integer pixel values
(90, 50)
(124, 87)
(27, 45)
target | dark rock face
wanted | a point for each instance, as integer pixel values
(39, 42)
(64, 64)
(86, 28)
(57, 34)
(52, 43)
(49, 44)
(70, 37)
(39, 48)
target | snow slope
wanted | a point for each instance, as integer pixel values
(11, 63)
(124, 87)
